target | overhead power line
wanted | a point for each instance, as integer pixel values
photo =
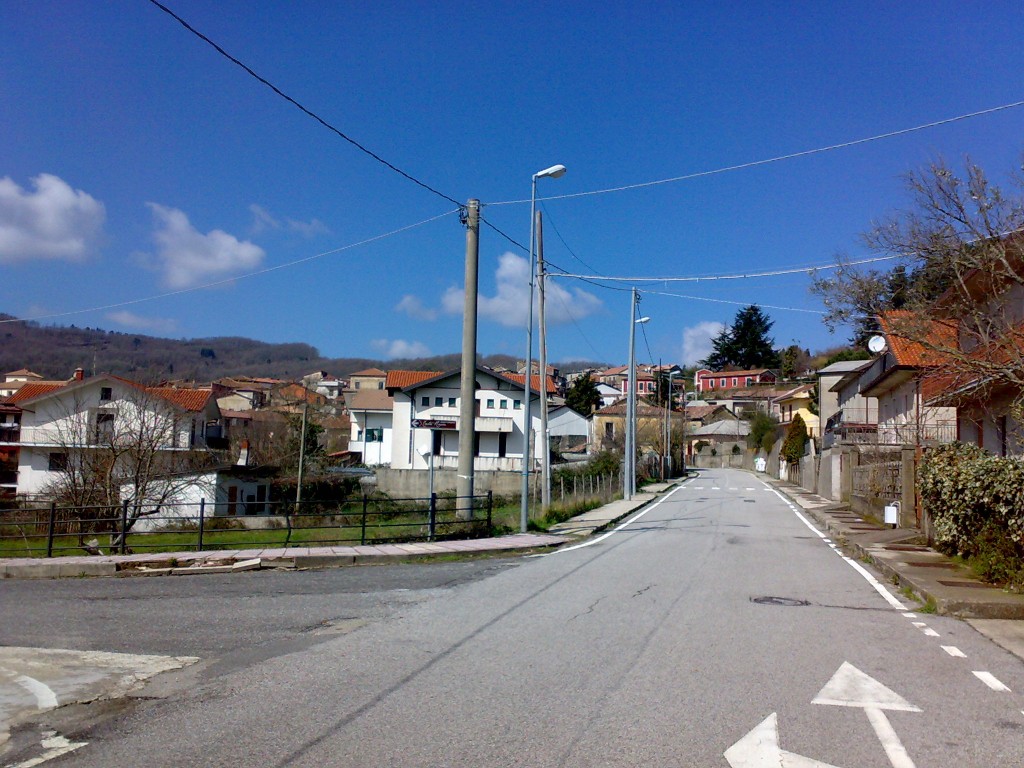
(727, 301)
(736, 276)
(227, 280)
(777, 158)
(304, 109)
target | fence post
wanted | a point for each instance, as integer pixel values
(362, 535)
(490, 507)
(287, 522)
(202, 521)
(49, 529)
(124, 526)
(433, 517)
(561, 485)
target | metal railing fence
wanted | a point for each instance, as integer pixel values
(47, 531)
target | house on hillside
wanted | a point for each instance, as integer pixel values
(845, 414)
(426, 419)
(371, 412)
(903, 379)
(798, 401)
(718, 382)
(70, 422)
(368, 378)
(745, 401)
(609, 424)
(13, 381)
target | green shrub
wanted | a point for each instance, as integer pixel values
(795, 444)
(976, 503)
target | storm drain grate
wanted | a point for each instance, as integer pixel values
(791, 602)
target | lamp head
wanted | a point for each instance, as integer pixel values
(553, 172)
(642, 320)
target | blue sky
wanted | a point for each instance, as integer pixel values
(137, 162)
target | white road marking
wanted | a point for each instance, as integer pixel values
(45, 697)
(910, 615)
(617, 528)
(849, 687)
(930, 632)
(952, 650)
(889, 598)
(991, 681)
(715, 488)
(55, 746)
(760, 749)
(919, 624)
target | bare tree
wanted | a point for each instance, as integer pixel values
(131, 456)
(956, 288)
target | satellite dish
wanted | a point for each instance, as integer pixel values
(876, 344)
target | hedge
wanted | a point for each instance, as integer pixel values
(976, 503)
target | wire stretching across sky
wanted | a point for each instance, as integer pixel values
(649, 292)
(304, 109)
(227, 280)
(776, 159)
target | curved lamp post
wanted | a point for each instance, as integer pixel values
(553, 172)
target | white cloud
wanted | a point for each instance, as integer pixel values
(188, 257)
(53, 222)
(392, 348)
(697, 340)
(262, 220)
(413, 307)
(510, 305)
(128, 319)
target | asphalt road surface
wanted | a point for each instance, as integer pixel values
(715, 628)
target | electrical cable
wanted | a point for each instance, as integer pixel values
(777, 158)
(226, 280)
(304, 109)
(726, 301)
(554, 226)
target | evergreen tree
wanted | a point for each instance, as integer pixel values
(745, 344)
(583, 396)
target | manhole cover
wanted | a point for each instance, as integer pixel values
(769, 600)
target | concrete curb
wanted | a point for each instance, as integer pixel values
(967, 597)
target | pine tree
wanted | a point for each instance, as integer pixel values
(583, 396)
(745, 345)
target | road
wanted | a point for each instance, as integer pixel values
(716, 628)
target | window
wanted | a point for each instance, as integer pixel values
(451, 402)
(380, 385)
(425, 402)
(735, 381)
(502, 444)
(609, 430)
(438, 401)
(722, 383)
(106, 394)
(58, 462)
(504, 406)
(490, 403)
(357, 385)
(375, 435)
(748, 381)
(517, 405)
(103, 431)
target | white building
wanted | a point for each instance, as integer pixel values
(371, 412)
(426, 419)
(91, 414)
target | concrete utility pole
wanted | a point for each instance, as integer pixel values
(467, 408)
(630, 453)
(302, 454)
(542, 439)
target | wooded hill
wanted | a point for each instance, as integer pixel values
(56, 351)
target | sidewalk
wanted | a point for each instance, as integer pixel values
(234, 560)
(901, 555)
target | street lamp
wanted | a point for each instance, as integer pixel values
(667, 464)
(629, 484)
(554, 172)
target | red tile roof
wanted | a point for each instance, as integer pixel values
(33, 389)
(520, 379)
(912, 353)
(186, 399)
(369, 372)
(403, 379)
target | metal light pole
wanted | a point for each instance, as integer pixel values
(667, 465)
(524, 508)
(630, 483)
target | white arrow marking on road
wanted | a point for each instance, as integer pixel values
(760, 749)
(849, 687)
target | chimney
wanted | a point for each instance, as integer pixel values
(243, 454)
(79, 374)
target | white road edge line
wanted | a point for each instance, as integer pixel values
(930, 632)
(44, 695)
(991, 681)
(617, 528)
(889, 598)
(953, 651)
